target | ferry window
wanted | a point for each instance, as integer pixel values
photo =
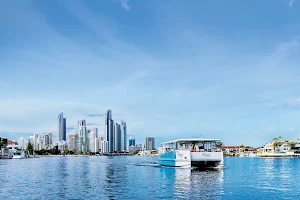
(201, 145)
(213, 145)
(207, 145)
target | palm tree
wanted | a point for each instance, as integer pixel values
(275, 143)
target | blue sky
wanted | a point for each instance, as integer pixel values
(170, 69)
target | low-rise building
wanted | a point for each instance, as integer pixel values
(231, 150)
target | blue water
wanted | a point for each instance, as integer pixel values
(136, 177)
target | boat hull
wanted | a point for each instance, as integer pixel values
(18, 156)
(185, 158)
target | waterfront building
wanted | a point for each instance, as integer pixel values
(132, 149)
(150, 143)
(131, 141)
(73, 141)
(37, 142)
(61, 127)
(22, 143)
(123, 136)
(278, 149)
(46, 142)
(62, 146)
(108, 117)
(92, 141)
(31, 141)
(117, 137)
(4, 141)
(231, 150)
(50, 140)
(83, 144)
(104, 146)
(96, 131)
(99, 140)
(109, 130)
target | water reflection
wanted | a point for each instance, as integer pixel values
(192, 183)
(115, 181)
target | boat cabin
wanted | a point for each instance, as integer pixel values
(192, 145)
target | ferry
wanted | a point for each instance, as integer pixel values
(194, 152)
(18, 154)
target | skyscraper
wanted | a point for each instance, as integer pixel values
(150, 143)
(95, 130)
(131, 141)
(104, 146)
(22, 143)
(31, 141)
(123, 136)
(108, 117)
(92, 140)
(73, 142)
(50, 140)
(111, 136)
(83, 137)
(61, 127)
(37, 142)
(117, 137)
(46, 142)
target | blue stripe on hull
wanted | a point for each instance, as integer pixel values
(171, 163)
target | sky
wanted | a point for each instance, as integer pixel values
(171, 69)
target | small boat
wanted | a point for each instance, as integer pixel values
(18, 154)
(195, 152)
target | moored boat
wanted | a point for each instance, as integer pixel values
(195, 152)
(18, 154)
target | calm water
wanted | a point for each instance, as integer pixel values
(142, 178)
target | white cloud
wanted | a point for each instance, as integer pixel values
(294, 101)
(291, 129)
(271, 129)
(124, 4)
(291, 3)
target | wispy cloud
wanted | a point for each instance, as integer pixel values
(271, 129)
(125, 5)
(291, 3)
(294, 101)
(95, 115)
(92, 124)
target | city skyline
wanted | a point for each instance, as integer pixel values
(220, 69)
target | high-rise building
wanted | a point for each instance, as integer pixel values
(95, 130)
(123, 136)
(31, 141)
(98, 146)
(131, 141)
(22, 143)
(46, 142)
(38, 142)
(104, 146)
(111, 136)
(92, 140)
(62, 146)
(83, 144)
(108, 117)
(150, 143)
(61, 127)
(117, 137)
(50, 140)
(72, 141)
(109, 130)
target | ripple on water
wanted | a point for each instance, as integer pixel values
(136, 177)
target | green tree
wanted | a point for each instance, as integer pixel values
(219, 143)
(66, 151)
(29, 148)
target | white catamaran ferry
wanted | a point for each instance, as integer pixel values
(195, 152)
